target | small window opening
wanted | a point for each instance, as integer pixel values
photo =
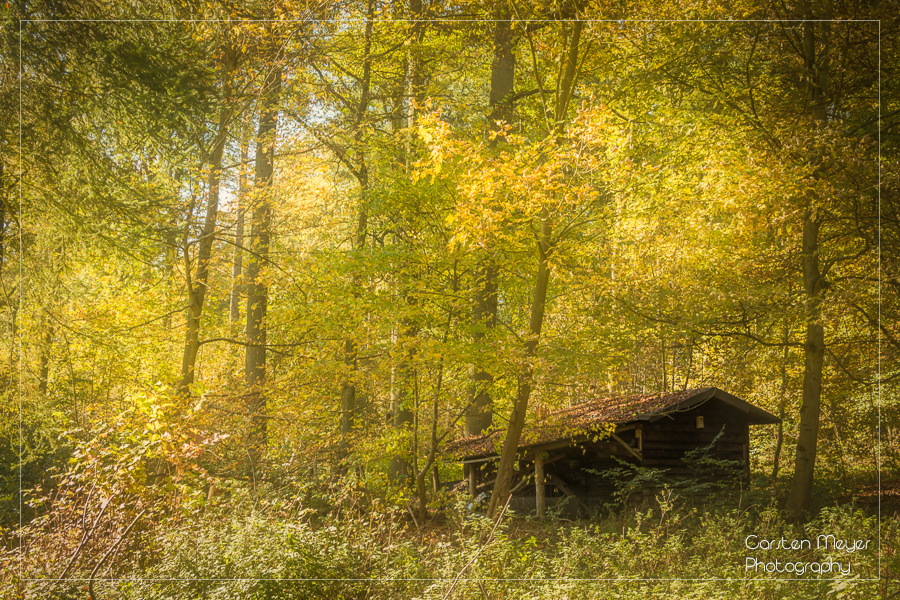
(699, 422)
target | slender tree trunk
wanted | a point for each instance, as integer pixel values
(434, 440)
(782, 403)
(398, 105)
(415, 78)
(662, 353)
(526, 376)
(421, 490)
(197, 286)
(349, 399)
(349, 394)
(237, 267)
(257, 288)
(170, 253)
(690, 365)
(814, 357)
(403, 395)
(817, 81)
(480, 413)
(46, 346)
(402, 392)
(545, 245)
(4, 200)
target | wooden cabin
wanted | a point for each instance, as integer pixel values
(564, 453)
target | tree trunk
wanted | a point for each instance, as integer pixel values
(517, 421)
(257, 288)
(817, 80)
(349, 396)
(46, 346)
(403, 392)
(479, 414)
(814, 357)
(415, 79)
(506, 465)
(4, 200)
(237, 267)
(170, 254)
(197, 286)
(349, 400)
(782, 403)
(503, 69)
(432, 447)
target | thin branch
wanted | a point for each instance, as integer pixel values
(85, 537)
(534, 66)
(110, 551)
(271, 347)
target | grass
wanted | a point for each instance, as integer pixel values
(667, 548)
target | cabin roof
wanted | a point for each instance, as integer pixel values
(597, 416)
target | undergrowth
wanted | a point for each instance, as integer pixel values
(666, 549)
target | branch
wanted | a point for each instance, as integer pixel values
(168, 314)
(252, 345)
(238, 413)
(85, 537)
(877, 322)
(846, 371)
(699, 332)
(110, 551)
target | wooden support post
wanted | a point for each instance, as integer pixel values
(746, 452)
(471, 476)
(565, 489)
(539, 488)
(632, 451)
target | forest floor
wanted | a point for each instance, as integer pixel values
(252, 545)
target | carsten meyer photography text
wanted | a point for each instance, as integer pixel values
(837, 566)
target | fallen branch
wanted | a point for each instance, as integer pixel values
(84, 538)
(109, 552)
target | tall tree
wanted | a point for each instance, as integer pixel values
(803, 135)
(261, 221)
(479, 414)
(817, 77)
(237, 269)
(545, 243)
(355, 160)
(197, 281)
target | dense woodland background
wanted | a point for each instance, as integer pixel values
(261, 261)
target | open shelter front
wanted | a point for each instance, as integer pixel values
(566, 453)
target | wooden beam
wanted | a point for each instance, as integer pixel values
(567, 443)
(626, 427)
(631, 450)
(483, 459)
(515, 476)
(539, 490)
(565, 489)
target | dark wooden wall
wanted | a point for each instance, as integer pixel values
(668, 439)
(662, 445)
